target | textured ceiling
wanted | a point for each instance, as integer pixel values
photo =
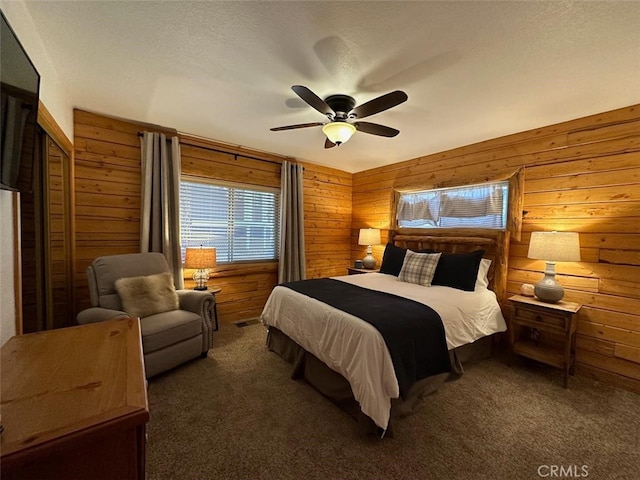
(223, 70)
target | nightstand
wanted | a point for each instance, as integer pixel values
(213, 291)
(357, 271)
(530, 318)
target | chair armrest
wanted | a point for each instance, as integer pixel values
(200, 302)
(99, 314)
(195, 301)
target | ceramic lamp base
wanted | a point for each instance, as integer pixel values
(548, 290)
(369, 261)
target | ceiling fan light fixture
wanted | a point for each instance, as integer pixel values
(338, 132)
(338, 109)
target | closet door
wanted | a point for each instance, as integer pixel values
(45, 241)
(57, 237)
(32, 247)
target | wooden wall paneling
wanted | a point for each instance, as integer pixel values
(107, 191)
(210, 145)
(488, 160)
(627, 352)
(621, 128)
(229, 167)
(327, 220)
(582, 175)
(371, 209)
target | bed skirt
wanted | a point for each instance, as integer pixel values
(336, 388)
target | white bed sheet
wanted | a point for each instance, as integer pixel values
(356, 349)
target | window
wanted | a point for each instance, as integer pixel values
(471, 206)
(241, 222)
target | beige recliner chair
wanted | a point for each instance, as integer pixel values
(168, 338)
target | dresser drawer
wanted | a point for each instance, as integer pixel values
(534, 316)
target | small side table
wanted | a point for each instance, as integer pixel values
(530, 316)
(213, 291)
(357, 271)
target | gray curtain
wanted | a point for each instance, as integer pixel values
(292, 262)
(160, 222)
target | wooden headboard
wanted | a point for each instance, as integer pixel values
(494, 243)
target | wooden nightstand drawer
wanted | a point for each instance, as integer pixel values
(536, 317)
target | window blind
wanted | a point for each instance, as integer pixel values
(471, 206)
(241, 223)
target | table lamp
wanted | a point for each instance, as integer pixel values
(553, 247)
(202, 259)
(369, 237)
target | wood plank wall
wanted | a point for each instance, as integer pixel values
(107, 193)
(583, 176)
(107, 207)
(327, 220)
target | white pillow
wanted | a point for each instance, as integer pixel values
(482, 281)
(147, 295)
(419, 268)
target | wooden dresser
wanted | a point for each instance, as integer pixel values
(74, 403)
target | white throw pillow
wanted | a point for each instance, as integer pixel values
(483, 280)
(147, 295)
(419, 268)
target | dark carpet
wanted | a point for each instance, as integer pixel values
(238, 415)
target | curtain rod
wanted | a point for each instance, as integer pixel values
(235, 155)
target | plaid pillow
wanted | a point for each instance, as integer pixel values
(419, 268)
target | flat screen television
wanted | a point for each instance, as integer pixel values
(19, 92)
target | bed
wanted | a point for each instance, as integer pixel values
(317, 325)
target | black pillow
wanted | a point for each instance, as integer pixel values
(393, 259)
(458, 270)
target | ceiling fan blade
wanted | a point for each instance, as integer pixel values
(299, 125)
(379, 104)
(313, 100)
(329, 144)
(375, 129)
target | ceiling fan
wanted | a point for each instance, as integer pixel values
(339, 109)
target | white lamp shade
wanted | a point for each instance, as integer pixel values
(555, 246)
(202, 257)
(338, 132)
(369, 236)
